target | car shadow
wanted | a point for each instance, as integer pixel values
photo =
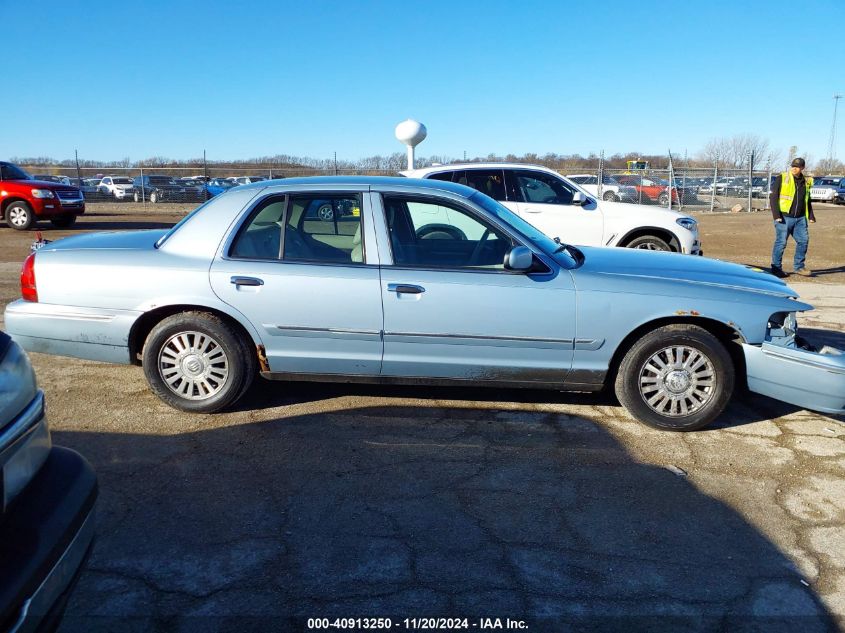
(744, 408)
(418, 511)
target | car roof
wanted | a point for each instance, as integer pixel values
(366, 181)
(454, 166)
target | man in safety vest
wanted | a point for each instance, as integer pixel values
(792, 210)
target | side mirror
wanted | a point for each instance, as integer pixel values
(519, 259)
(579, 199)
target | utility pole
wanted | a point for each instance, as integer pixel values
(831, 148)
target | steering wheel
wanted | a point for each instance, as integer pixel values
(440, 232)
(476, 252)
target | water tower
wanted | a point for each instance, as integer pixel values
(411, 133)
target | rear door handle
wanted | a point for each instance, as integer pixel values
(247, 281)
(408, 289)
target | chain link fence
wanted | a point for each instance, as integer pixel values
(689, 189)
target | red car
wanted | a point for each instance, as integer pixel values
(23, 200)
(649, 190)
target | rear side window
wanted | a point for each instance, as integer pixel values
(490, 182)
(542, 188)
(320, 228)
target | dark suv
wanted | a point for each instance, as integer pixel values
(162, 189)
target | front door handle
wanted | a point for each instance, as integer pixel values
(247, 281)
(408, 289)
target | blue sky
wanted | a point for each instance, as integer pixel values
(309, 78)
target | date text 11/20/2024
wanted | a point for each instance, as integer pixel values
(421, 624)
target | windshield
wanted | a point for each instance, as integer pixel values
(13, 172)
(161, 180)
(540, 239)
(121, 181)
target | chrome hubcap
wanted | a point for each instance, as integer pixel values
(677, 381)
(193, 365)
(17, 216)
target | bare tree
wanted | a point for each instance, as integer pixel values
(735, 152)
(829, 166)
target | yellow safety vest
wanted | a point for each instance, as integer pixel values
(787, 193)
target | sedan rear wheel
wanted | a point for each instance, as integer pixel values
(610, 196)
(196, 362)
(676, 378)
(19, 216)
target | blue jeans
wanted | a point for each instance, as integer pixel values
(797, 228)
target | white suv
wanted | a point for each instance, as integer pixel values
(560, 208)
(117, 187)
(824, 189)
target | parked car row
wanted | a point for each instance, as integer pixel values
(150, 188)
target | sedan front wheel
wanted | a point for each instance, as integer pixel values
(676, 378)
(196, 362)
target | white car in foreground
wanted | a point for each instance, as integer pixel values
(560, 208)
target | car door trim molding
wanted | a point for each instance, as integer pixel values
(297, 330)
(588, 344)
(472, 339)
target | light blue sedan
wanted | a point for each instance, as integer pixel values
(428, 282)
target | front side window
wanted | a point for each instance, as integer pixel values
(542, 188)
(431, 233)
(13, 172)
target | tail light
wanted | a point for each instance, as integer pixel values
(28, 290)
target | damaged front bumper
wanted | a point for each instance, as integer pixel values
(787, 368)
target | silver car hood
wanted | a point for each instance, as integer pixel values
(701, 271)
(129, 240)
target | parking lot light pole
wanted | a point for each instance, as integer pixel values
(713, 188)
(750, 176)
(601, 175)
(768, 185)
